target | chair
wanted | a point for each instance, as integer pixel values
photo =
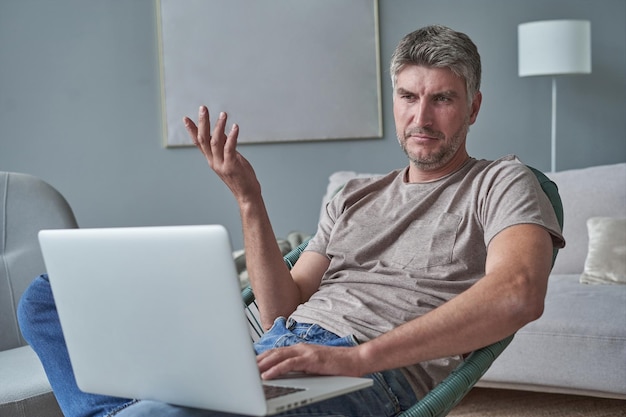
(449, 392)
(27, 205)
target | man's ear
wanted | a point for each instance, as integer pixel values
(475, 107)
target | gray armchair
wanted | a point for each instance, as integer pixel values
(27, 205)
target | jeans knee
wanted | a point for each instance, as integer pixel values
(33, 301)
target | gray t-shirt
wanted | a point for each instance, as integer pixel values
(398, 250)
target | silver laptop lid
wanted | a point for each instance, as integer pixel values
(146, 311)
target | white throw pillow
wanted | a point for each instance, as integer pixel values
(606, 257)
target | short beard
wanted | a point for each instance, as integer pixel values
(441, 157)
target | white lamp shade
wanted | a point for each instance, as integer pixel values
(553, 47)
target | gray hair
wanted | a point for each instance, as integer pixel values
(440, 47)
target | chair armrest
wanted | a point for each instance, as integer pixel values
(449, 392)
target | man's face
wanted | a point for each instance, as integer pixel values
(432, 115)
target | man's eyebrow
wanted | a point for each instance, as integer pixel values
(444, 93)
(447, 93)
(401, 91)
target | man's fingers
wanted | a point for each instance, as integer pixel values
(219, 137)
(230, 147)
(277, 362)
(218, 147)
(204, 126)
(192, 129)
(303, 357)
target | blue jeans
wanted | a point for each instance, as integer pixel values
(40, 326)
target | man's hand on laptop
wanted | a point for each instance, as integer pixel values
(310, 359)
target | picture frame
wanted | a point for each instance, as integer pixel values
(283, 70)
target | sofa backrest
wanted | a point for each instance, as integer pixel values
(27, 205)
(598, 191)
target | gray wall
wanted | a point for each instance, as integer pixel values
(80, 107)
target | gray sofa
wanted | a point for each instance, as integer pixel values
(578, 346)
(27, 205)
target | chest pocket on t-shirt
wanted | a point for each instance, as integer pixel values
(426, 244)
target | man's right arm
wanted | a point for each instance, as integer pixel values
(278, 292)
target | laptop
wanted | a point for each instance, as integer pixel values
(156, 313)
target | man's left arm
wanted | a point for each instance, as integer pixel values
(510, 295)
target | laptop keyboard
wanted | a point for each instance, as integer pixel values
(274, 391)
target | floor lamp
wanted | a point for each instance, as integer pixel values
(554, 47)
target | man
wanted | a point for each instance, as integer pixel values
(405, 274)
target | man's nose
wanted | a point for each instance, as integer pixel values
(423, 114)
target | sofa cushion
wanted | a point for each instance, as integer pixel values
(598, 191)
(606, 257)
(337, 180)
(25, 388)
(579, 344)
